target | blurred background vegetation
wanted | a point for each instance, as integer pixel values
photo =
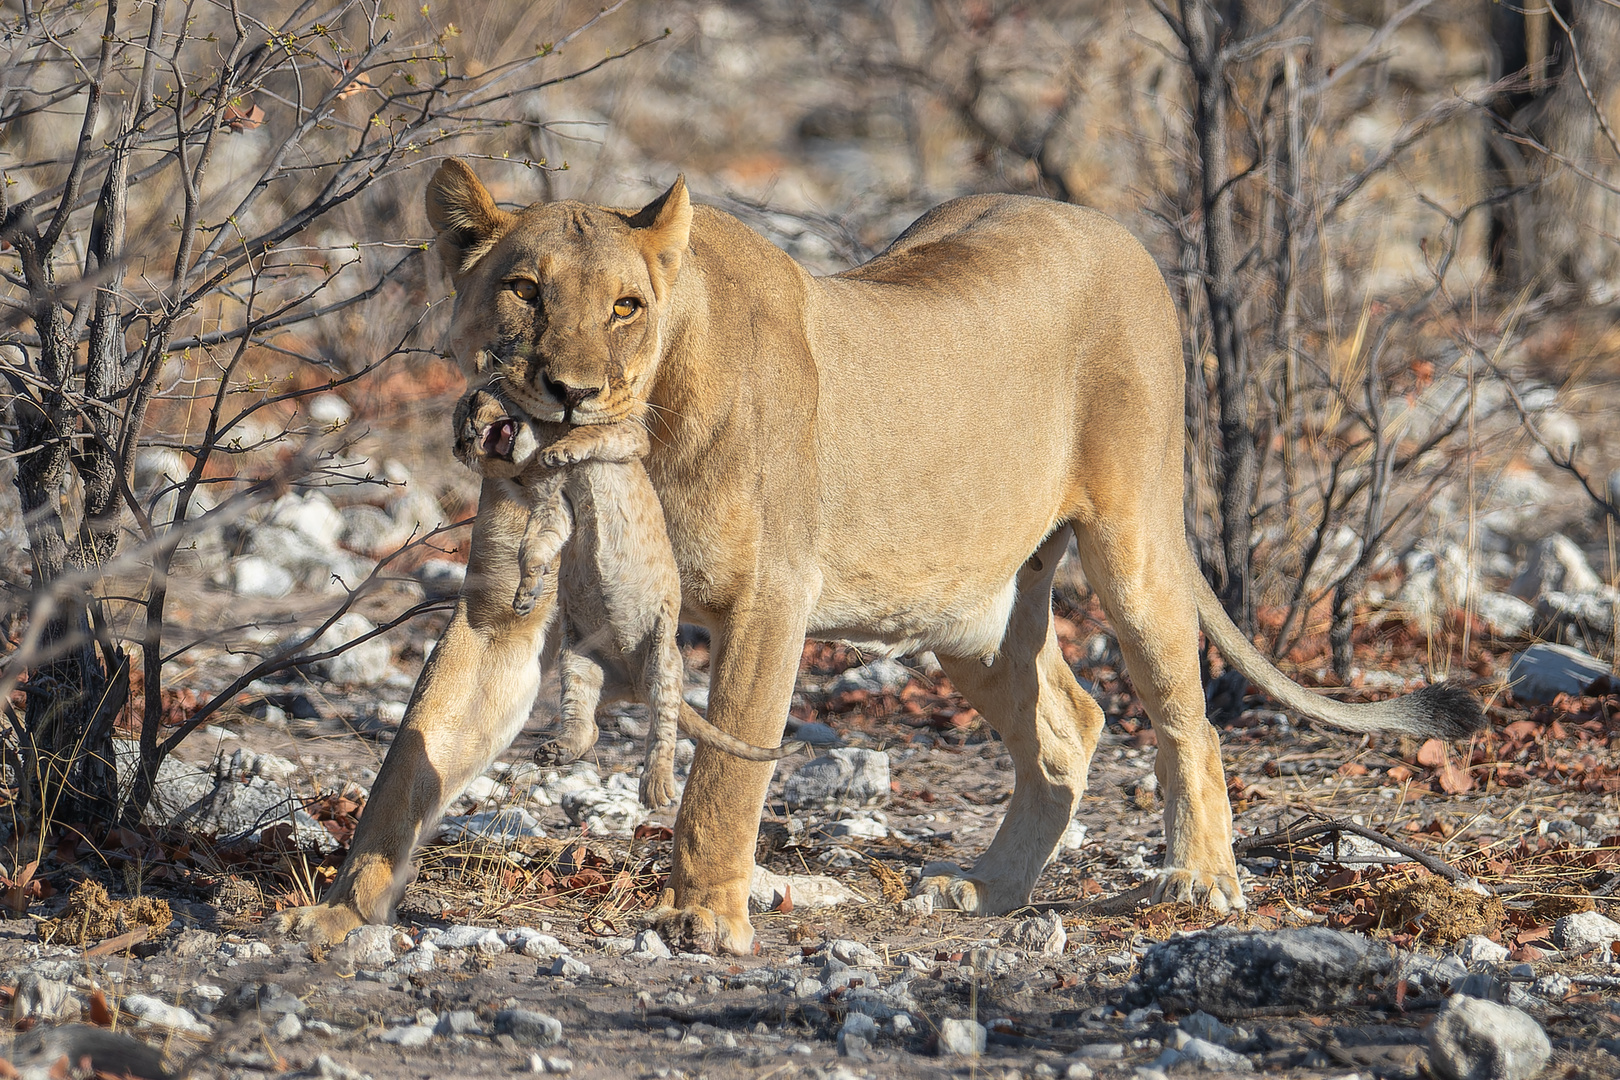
(1393, 231)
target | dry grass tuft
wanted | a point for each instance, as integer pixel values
(92, 915)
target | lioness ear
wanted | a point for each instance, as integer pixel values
(662, 228)
(463, 215)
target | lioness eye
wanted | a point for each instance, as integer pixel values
(626, 306)
(524, 289)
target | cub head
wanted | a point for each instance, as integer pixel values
(492, 438)
(566, 302)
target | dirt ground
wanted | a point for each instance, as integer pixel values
(1537, 822)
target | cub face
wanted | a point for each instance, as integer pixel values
(565, 302)
(492, 438)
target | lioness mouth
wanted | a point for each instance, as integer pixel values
(498, 437)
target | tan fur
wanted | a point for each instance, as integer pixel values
(895, 456)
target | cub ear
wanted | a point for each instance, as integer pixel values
(662, 229)
(463, 215)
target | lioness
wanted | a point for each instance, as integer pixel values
(894, 456)
(619, 593)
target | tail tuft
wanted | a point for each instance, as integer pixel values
(1448, 711)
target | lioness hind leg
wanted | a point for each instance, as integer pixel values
(1140, 578)
(581, 694)
(1050, 727)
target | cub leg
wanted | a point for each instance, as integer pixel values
(1050, 728)
(624, 441)
(581, 694)
(662, 678)
(550, 524)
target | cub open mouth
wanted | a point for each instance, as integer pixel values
(497, 438)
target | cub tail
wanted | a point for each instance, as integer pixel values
(704, 732)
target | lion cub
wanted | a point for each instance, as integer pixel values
(619, 594)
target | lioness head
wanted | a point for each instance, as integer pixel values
(564, 302)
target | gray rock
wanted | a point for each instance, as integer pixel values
(1042, 935)
(481, 939)
(568, 968)
(366, 947)
(288, 1028)
(192, 944)
(852, 953)
(1553, 987)
(1310, 969)
(1482, 985)
(1585, 931)
(416, 512)
(234, 810)
(807, 890)
(441, 579)
(882, 675)
(407, 1036)
(418, 961)
(1204, 1055)
(501, 826)
(1577, 618)
(1473, 1039)
(529, 1028)
(857, 1034)
(313, 564)
(154, 1013)
(845, 776)
(614, 809)
(1201, 1025)
(457, 1022)
(268, 1000)
(818, 734)
(367, 663)
(1109, 1051)
(1542, 672)
(324, 1068)
(961, 1038)
(42, 999)
(370, 530)
(1079, 1070)
(1556, 564)
(311, 514)
(649, 946)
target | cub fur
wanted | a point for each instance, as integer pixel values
(619, 590)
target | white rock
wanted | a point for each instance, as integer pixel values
(1474, 1039)
(496, 826)
(151, 1012)
(312, 514)
(288, 1028)
(368, 947)
(418, 961)
(859, 826)
(920, 906)
(569, 968)
(961, 1038)
(365, 664)
(1042, 935)
(1079, 1070)
(853, 953)
(1507, 616)
(1556, 564)
(1201, 1025)
(613, 809)
(479, 938)
(328, 409)
(809, 891)
(254, 575)
(528, 941)
(407, 1036)
(42, 999)
(441, 579)
(1585, 931)
(1478, 949)
(1074, 837)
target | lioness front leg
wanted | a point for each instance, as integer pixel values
(756, 658)
(472, 698)
(624, 441)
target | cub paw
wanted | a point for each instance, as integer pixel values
(523, 600)
(319, 924)
(1220, 891)
(657, 788)
(555, 753)
(557, 456)
(951, 888)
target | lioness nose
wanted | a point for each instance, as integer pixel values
(570, 396)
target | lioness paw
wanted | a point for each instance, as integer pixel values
(951, 889)
(1220, 891)
(319, 924)
(700, 930)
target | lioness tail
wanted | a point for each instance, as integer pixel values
(1441, 710)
